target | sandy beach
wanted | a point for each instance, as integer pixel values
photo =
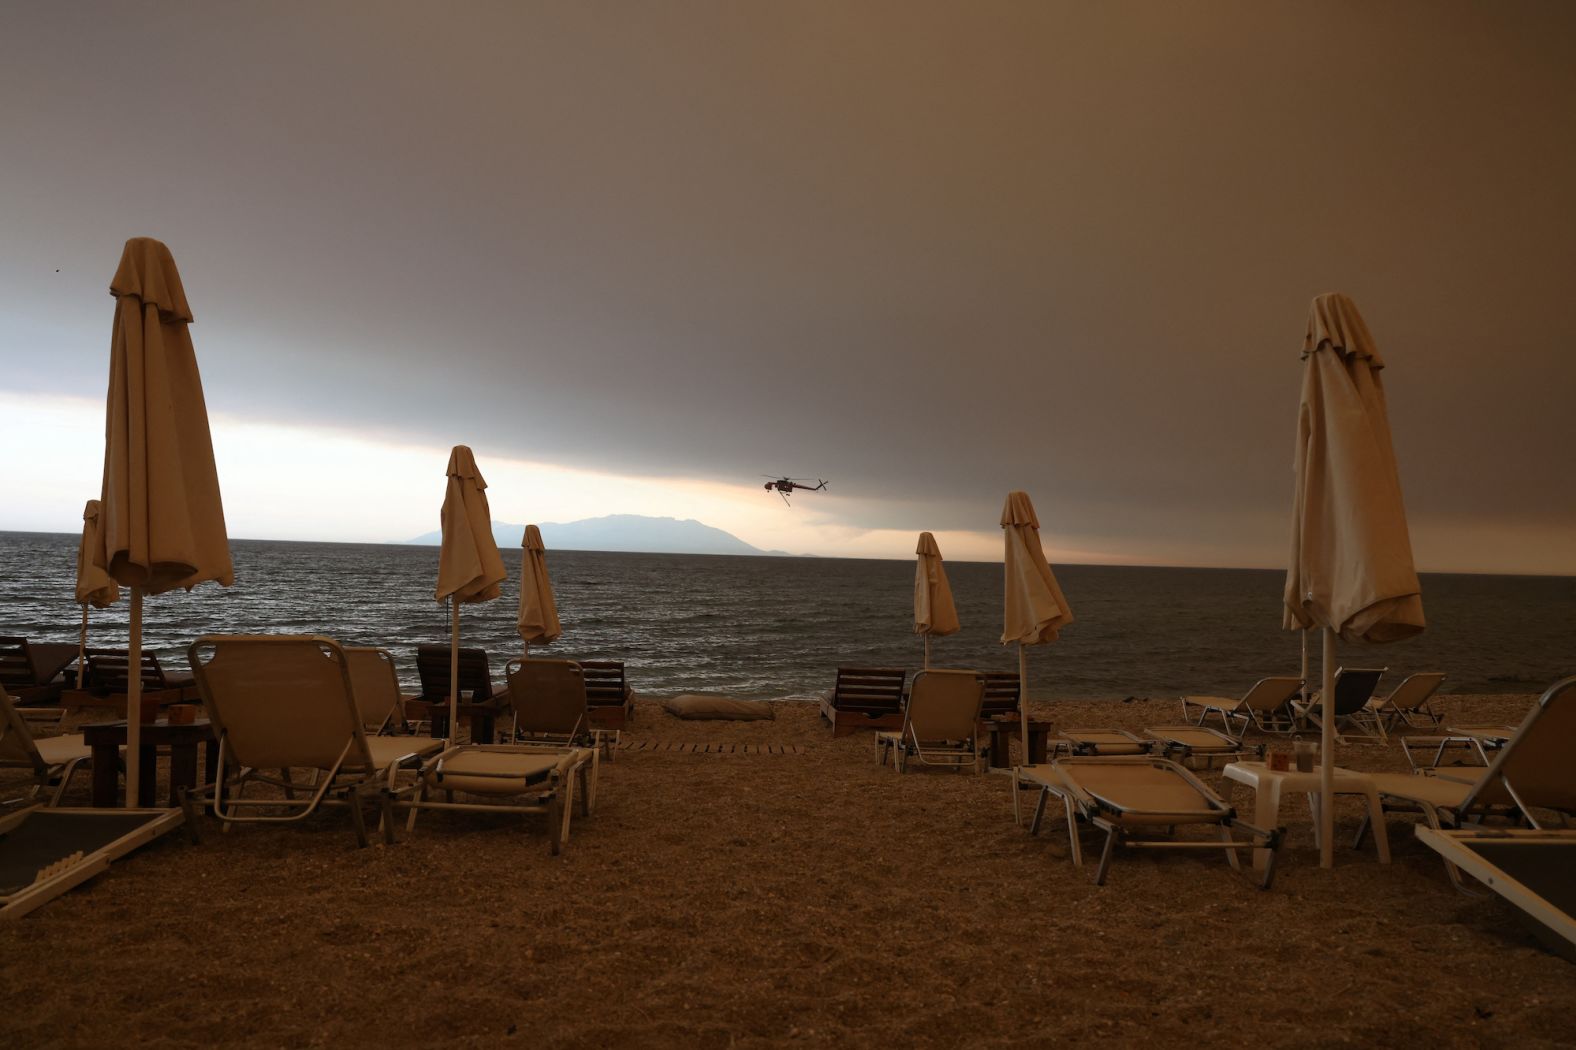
(750, 899)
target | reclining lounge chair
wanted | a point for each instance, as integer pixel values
(1533, 772)
(1125, 796)
(1407, 704)
(285, 703)
(1200, 747)
(375, 685)
(940, 722)
(1268, 705)
(865, 698)
(1103, 743)
(51, 760)
(550, 699)
(538, 778)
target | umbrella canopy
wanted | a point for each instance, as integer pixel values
(470, 568)
(1351, 571)
(538, 609)
(934, 612)
(162, 518)
(95, 587)
(1034, 610)
(160, 513)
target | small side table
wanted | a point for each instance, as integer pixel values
(1270, 784)
(1003, 728)
(107, 738)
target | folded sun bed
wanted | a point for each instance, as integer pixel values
(512, 778)
(1530, 869)
(1130, 798)
(45, 852)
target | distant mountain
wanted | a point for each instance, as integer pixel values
(623, 532)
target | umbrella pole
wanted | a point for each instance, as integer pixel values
(134, 702)
(1304, 633)
(82, 650)
(1023, 700)
(927, 647)
(1327, 758)
(454, 670)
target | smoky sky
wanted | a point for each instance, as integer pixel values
(929, 251)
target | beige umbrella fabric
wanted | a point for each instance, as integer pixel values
(1035, 610)
(538, 609)
(470, 568)
(935, 614)
(161, 515)
(95, 587)
(1351, 572)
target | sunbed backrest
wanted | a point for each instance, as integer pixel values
(281, 700)
(605, 685)
(16, 662)
(1415, 691)
(1537, 761)
(1271, 694)
(1354, 687)
(1002, 689)
(109, 670)
(945, 705)
(375, 684)
(432, 665)
(873, 690)
(16, 740)
(549, 696)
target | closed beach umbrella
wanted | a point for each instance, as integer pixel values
(538, 609)
(934, 613)
(95, 587)
(160, 513)
(469, 565)
(1351, 571)
(1034, 611)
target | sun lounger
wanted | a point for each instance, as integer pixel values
(109, 673)
(865, 698)
(1268, 705)
(1532, 773)
(50, 760)
(1102, 742)
(550, 699)
(45, 852)
(1408, 704)
(375, 684)
(478, 701)
(1473, 743)
(284, 703)
(537, 778)
(1127, 797)
(1530, 869)
(1003, 692)
(940, 722)
(610, 702)
(1354, 687)
(1200, 747)
(30, 673)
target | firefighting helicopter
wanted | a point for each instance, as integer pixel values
(783, 486)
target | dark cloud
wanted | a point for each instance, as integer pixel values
(930, 251)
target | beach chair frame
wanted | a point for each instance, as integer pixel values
(1267, 706)
(1202, 747)
(551, 704)
(1102, 743)
(1407, 704)
(1554, 925)
(549, 791)
(19, 749)
(1354, 687)
(1060, 779)
(956, 744)
(344, 781)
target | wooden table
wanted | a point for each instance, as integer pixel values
(107, 738)
(1270, 784)
(1004, 727)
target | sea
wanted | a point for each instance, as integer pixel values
(767, 627)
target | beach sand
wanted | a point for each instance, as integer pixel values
(745, 899)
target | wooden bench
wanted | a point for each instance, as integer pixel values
(610, 702)
(1003, 692)
(865, 698)
(108, 676)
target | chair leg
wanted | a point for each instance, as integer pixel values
(1105, 857)
(357, 819)
(415, 805)
(1039, 811)
(555, 823)
(1074, 845)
